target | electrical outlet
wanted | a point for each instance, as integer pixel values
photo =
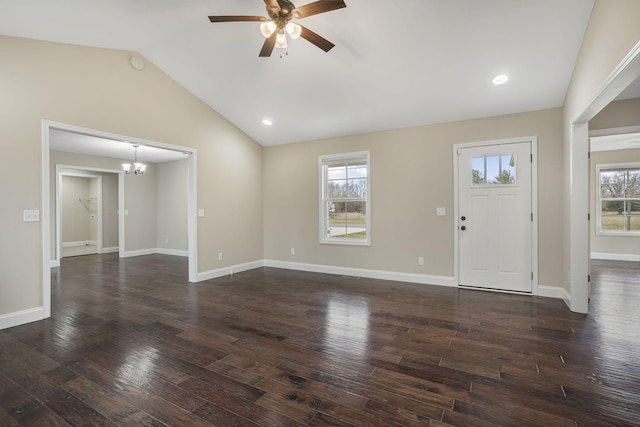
(420, 260)
(293, 251)
(441, 211)
(219, 256)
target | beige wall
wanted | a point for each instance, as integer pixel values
(140, 205)
(76, 224)
(97, 89)
(171, 191)
(110, 226)
(156, 202)
(612, 32)
(603, 244)
(411, 175)
(618, 114)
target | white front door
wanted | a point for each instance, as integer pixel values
(495, 216)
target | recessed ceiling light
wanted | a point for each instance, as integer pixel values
(267, 122)
(500, 80)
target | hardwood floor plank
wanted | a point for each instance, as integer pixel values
(222, 401)
(131, 342)
(363, 387)
(114, 407)
(37, 361)
(27, 410)
(76, 412)
(7, 420)
(38, 385)
(216, 415)
(165, 411)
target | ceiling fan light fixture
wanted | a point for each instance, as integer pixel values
(267, 28)
(294, 30)
(281, 41)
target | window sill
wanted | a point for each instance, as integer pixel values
(348, 242)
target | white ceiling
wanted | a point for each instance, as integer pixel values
(60, 140)
(625, 141)
(395, 64)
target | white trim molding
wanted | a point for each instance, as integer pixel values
(228, 271)
(175, 252)
(554, 292)
(21, 317)
(139, 252)
(361, 272)
(615, 257)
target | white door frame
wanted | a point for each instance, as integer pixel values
(533, 140)
(192, 191)
(620, 78)
(79, 172)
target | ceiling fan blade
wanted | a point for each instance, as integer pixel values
(316, 39)
(236, 18)
(317, 7)
(268, 45)
(273, 7)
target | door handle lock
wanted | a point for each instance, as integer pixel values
(463, 218)
(463, 228)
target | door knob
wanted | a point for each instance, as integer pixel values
(463, 228)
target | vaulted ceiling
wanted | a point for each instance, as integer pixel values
(395, 64)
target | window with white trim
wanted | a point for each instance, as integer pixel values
(344, 199)
(618, 199)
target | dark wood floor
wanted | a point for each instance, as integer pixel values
(130, 342)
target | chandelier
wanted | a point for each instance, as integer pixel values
(138, 168)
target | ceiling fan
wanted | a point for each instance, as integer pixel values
(281, 12)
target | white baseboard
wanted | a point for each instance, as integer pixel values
(615, 257)
(79, 243)
(140, 252)
(110, 250)
(176, 252)
(361, 272)
(21, 317)
(225, 271)
(553, 292)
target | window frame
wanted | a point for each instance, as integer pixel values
(324, 161)
(609, 167)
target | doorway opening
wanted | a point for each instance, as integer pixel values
(51, 237)
(79, 219)
(579, 240)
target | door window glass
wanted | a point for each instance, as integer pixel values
(493, 170)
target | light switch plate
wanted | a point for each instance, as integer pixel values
(441, 211)
(200, 212)
(31, 215)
